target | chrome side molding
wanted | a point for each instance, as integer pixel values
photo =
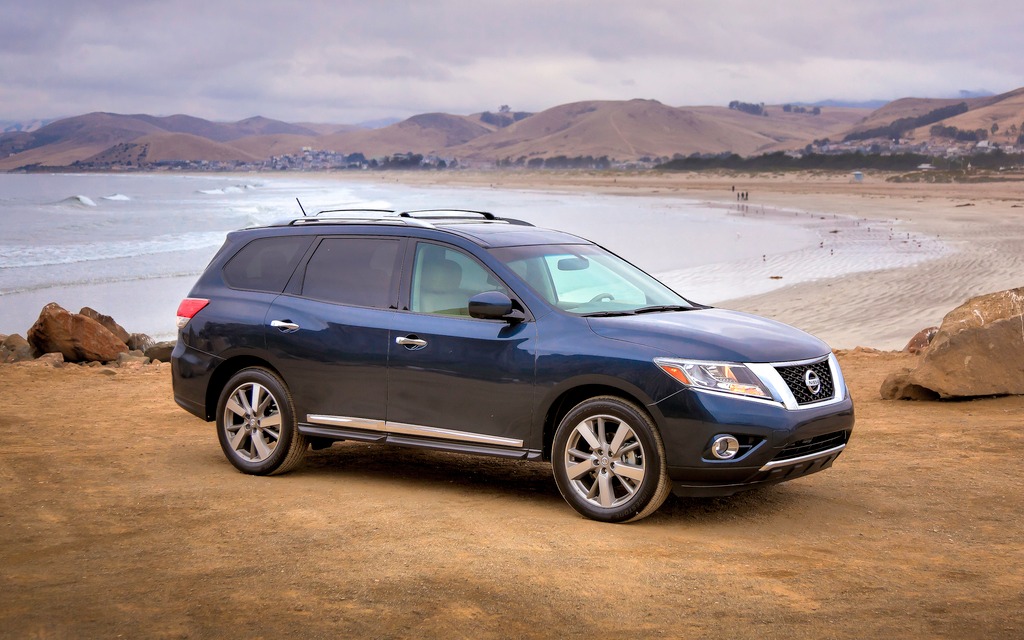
(384, 426)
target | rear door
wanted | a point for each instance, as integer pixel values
(328, 334)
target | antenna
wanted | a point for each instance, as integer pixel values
(301, 208)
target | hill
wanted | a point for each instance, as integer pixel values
(168, 147)
(426, 133)
(623, 131)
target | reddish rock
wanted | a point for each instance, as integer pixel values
(77, 337)
(107, 322)
(977, 351)
(14, 348)
(921, 340)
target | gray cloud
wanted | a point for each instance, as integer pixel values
(344, 61)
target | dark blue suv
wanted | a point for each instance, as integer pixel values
(466, 332)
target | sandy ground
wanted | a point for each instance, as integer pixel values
(119, 516)
(983, 224)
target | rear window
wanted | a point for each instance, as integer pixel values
(265, 264)
(356, 271)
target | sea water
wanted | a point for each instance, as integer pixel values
(131, 246)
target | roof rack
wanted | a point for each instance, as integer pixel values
(380, 211)
(415, 217)
(444, 214)
(459, 215)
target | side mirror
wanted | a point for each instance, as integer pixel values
(493, 305)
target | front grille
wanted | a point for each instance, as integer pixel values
(813, 445)
(795, 377)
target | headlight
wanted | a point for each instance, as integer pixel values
(725, 377)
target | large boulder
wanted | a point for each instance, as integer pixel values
(107, 322)
(77, 337)
(977, 351)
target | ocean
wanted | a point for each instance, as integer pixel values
(132, 245)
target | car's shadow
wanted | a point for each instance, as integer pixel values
(533, 481)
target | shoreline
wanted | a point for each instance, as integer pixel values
(967, 239)
(983, 224)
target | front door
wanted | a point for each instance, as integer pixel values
(453, 377)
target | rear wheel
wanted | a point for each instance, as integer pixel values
(609, 461)
(256, 423)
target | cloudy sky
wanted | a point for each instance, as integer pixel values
(348, 61)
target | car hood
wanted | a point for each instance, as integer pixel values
(713, 334)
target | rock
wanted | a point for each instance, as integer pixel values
(161, 351)
(77, 337)
(898, 386)
(921, 340)
(978, 350)
(107, 322)
(131, 357)
(14, 348)
(139, 342)
(55, 360)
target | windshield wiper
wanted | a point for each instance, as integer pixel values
(606, 314)
(662, 307)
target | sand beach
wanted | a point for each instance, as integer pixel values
(119, 516)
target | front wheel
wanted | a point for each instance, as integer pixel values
(256, 424)
(609, 461)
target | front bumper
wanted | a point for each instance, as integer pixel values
(782, 443)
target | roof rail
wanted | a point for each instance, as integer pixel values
(414, 218)
(446, 214)
(380, 211)
(459, 215)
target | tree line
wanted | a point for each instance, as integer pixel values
(898, 128)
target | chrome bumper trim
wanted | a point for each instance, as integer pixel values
(774, 464)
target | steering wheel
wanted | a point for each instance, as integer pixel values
(603, 297)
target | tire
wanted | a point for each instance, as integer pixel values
(609, 461)
(264, 441)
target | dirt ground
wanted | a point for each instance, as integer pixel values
(119, 516)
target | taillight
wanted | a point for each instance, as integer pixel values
(188, 308)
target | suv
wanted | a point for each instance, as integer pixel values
(465, 332)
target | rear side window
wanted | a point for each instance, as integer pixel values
(356, 271)
(265, 264)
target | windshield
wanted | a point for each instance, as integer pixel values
(586, 280)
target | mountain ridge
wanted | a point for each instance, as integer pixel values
(623, 130)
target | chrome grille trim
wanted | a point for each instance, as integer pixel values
(769, 375)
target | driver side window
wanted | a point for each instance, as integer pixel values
(443, 281)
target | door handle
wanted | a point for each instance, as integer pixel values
(286, 326)
(411, 342)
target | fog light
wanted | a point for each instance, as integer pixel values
(725, 447)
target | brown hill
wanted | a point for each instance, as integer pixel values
(620, 130)
(277, 144)
(82, 138)
(426, 133)
(169, 147)
(647, 128)
(1005, 110)
(65, 141)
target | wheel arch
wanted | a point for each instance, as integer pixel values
(569, 398)
(220, 376)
